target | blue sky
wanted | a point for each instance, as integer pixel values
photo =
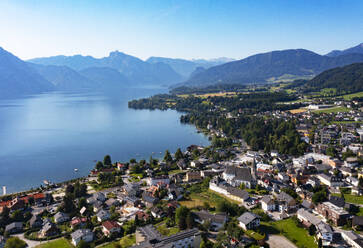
(178, 29)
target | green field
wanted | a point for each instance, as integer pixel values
(59, 243)
(332, 110)
(355, 199)
(288, 228)
(125, 242)
(351, 96)
(166, 231)
(198, 199)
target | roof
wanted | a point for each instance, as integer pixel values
(205, 215)
(243, 194)
(324, 228)
(110, 224)
(309, 217)
(284, 197)
(80, 233)
(267, 199)
(337, 201)
(247, 218)
(242, 174)
(13, 225)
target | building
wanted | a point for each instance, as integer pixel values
(307, 218)
(193, 176)
(352, 239)
(60, 217)
(14, 227)
(158, 180)
(103, 215)
(147, 236)
(329, 180)
(285, 203)
(217, 221)
(325, 233)
(35, 221)
(82, 234)
(236, 176)
(49, 229)
(249, 221)
(268, 203)
(110, 227)
(331, 212)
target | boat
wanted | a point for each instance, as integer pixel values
(75, 170)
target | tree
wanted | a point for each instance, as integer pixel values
(107, 160)
(312, 230)
(190, 220)
(17, 215)
(99, 165)
(180, 217)
(167, 156)
(178, 154)
(319, 196)
(15, 242)
(83, 244)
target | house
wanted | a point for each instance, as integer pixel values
(236, 176)
(49, 229)
(158, 180)
(157, 212)
(268, 203)
(351, 162)
(285, 203)
(110, 227)
(329, 180)
(325, 233)
(35, 221)
(148, 199)
(249, 220)
(357, 191)
(78, 222)
(307, 218)
(352, 181)
(82, 234)
(332, 212)
(193, 176)
(97, 206)
(148, 236)
(60, 217)
(216, 221)
(141, 215)
(103, 215)
(112, 202)
(14, 227)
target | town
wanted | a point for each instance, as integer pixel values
(298, 185)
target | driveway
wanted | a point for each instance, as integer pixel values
(277, 241)
(30, 243)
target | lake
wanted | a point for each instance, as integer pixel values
(47, 136)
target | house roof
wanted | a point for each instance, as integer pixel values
(205, 215)
(267, 199)
(242, 174)
(247, 218)
(243, 194)
(80, 233)
(357, 221)
(110, 224)
(284, 197)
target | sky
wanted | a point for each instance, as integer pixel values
(177, 29)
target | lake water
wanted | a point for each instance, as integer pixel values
(47, 136)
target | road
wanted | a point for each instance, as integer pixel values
(277, 241)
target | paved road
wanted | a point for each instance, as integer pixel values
(277, 241)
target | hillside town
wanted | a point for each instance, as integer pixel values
(218, 196)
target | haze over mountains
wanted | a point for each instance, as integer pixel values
(119, 70)
(265, 67)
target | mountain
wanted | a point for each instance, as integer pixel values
(356, 49)
(260, 68)
(18, 78)
(65, 78)
(347, 79)
(136, 70)
(110, 78)
(187, 67)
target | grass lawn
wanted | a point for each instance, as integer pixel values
(59, 243)
(125, 242)
(255, 235)
(355, 199)
(296, 111)
(173, 172)
(298, 235)
(351, 96)
(332, 110)
(360, 213)
(198, 199)
(164, 230)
